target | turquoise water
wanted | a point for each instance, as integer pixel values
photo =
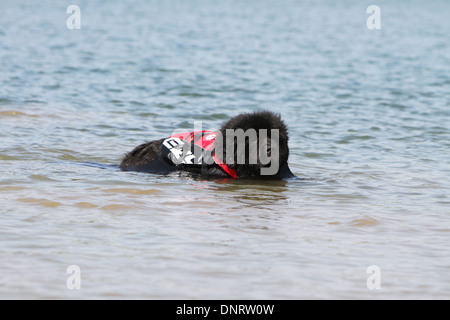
(369, 122)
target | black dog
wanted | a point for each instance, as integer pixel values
(249, 145)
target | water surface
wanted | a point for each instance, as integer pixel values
(369, 122)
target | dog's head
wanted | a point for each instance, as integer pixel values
(255, 144)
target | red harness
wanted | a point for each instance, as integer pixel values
(205, 141)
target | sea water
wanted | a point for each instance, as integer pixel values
(368, 112)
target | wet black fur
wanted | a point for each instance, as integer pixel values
(148, 157)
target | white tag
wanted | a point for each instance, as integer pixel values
(177, 153)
